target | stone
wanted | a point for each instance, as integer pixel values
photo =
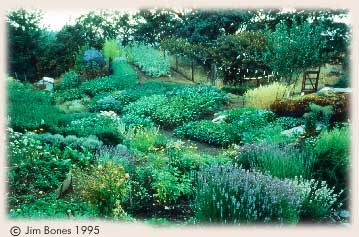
(219, 119)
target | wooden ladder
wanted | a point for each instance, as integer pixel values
(310, 81)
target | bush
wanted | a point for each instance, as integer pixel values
(317, 114)
(286, 162)
(108, 103)
(107, 126)
(119, 154)
(70, 80)
(110, 49)
(31, 109)
(90, 142)
(221, 134)
(104, 187)
(263, 96)
(343, 81)
(67, 95)
(230, 195)
(332, 150)
(296, 107)
(91, 57)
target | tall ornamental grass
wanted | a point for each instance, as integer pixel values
(263, 96)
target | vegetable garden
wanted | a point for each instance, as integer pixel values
(106, 143)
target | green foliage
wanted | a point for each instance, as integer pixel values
(104, 187)
(229, 195)
(148, 59)
(68, 95)
(238, 90)
(107, 126)
(25, 43)
(343, 81)
(31, 109)
(108, 103)
(70, 80)
(317, 114)
(34, 169)
(145, 139)
(292, 50)
(110, 50)
(332, 150)
(49, 206)
(219, 134)
(281, 162)
(289, 122)
(181, 106)
(104, 84)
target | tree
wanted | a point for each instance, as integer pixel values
(292, 50)
(25, 43)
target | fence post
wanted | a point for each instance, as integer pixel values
(213, 73)
(192, 67)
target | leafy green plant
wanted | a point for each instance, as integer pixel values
(238, 90)
(332, 149)
(70, 80)
(145, 139)
(108, 103)
(148, 59)
(34, 169)
(317, 114)
(221, 134)
(104, 186)
(289, 122)
(31, 109)
(230, 195)
(110, 49)
(67, 95)
(286, 162)
(107, 126)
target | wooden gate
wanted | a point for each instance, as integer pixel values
(310, 81)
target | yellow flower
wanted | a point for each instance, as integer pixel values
(100, 167)
(127, 176)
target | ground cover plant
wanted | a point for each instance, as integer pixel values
(123, 136)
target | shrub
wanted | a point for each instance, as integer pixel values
(75, 106)
(90, 142)
(296, 107)
(92, 56)
(107, 126)
(317, 114)
(229, 195)
(263, 96)
(281, 162)
(70, 80)
(67, 95)
(119, 154)
(104, 187)
(343, 81)
(108, 103)
(221, 134)
(110, 49)
(31, 109)
(332, 150)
